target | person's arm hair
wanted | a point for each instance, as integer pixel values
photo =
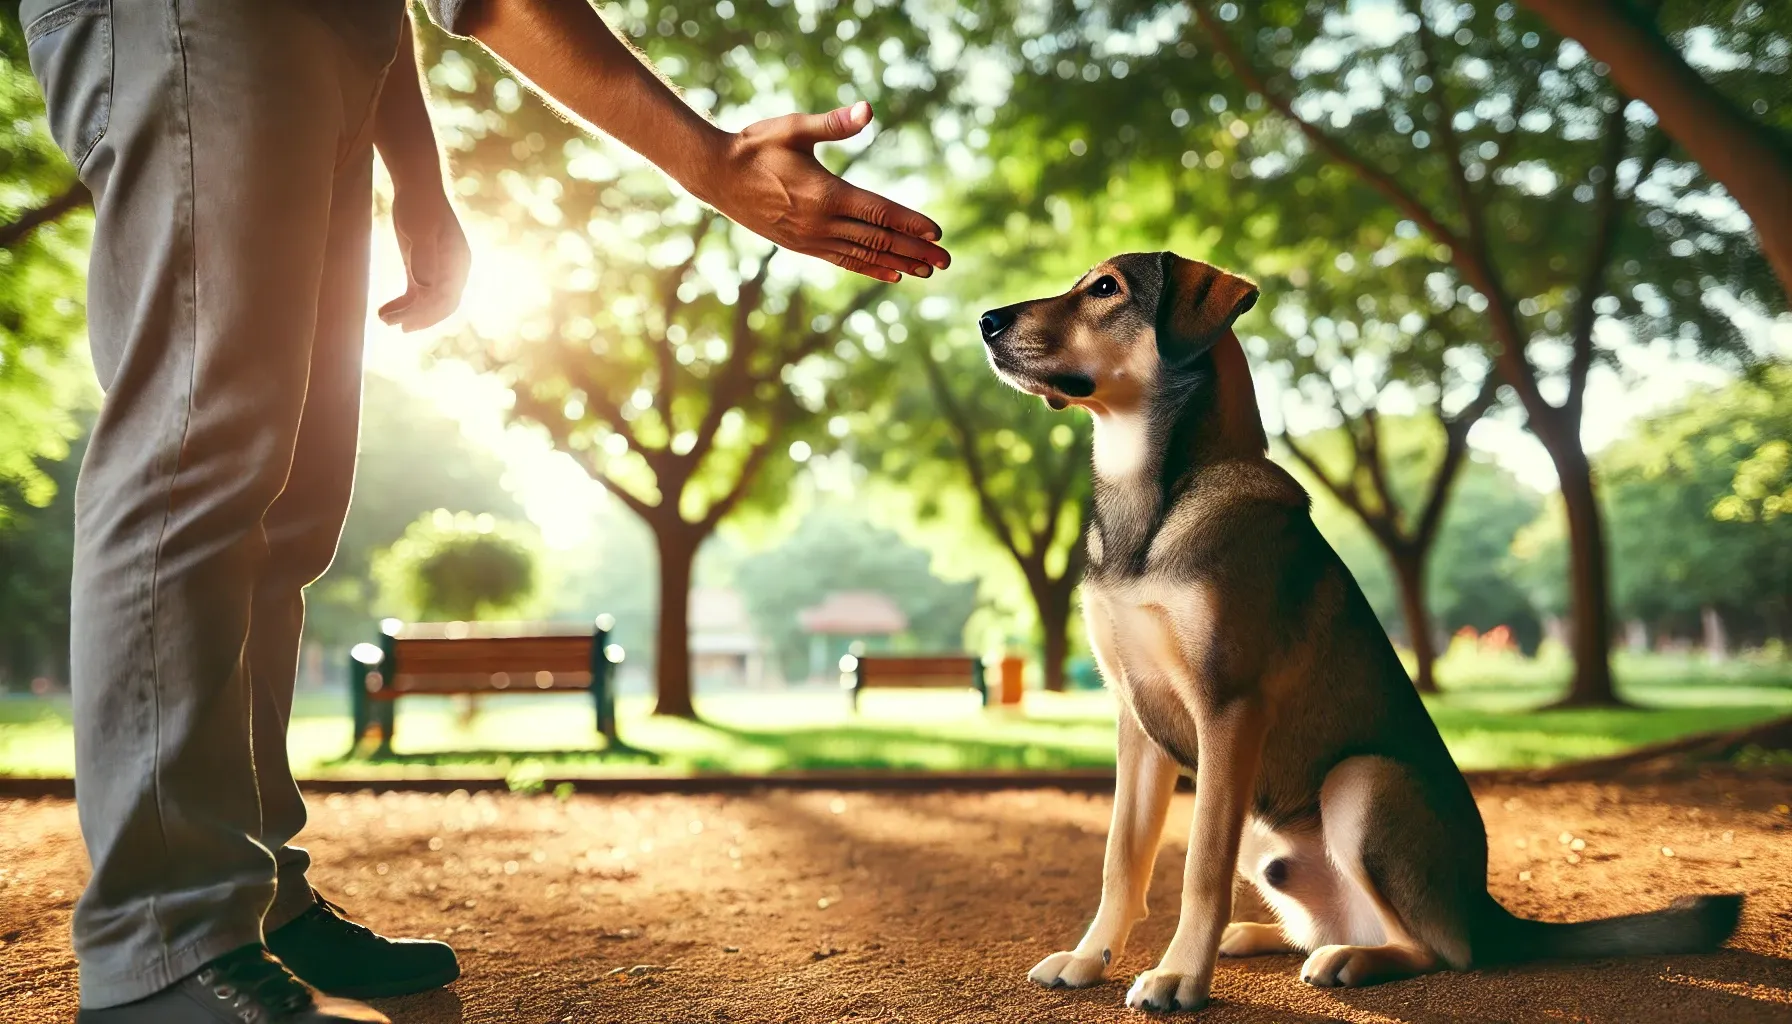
(765, 177)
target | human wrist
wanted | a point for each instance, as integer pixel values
(703, 164)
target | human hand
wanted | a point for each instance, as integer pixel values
(436, 259)
(769, 182)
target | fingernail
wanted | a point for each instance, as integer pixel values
(923, 271)
(931, 235)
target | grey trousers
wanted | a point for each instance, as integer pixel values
(227, 146)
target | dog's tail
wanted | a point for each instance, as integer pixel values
(1691, 924)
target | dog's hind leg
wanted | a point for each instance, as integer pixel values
(1402, 877)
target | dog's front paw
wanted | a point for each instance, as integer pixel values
(1164, 991)
(1069, 970)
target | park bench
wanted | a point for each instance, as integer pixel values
(479, 658)
(912, 671)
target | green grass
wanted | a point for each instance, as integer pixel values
(1487, 715)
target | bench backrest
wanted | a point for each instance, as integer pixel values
(917, 671)
(478, 664)
(929, 671)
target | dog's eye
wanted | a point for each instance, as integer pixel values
(1104, 286)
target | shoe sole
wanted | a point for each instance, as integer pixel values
(405, 987)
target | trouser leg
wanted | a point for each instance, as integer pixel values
(305, 524)
(214, 178)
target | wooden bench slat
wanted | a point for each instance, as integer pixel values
(923, 671)
(463, 682)
(486, 655)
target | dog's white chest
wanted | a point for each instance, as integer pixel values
(1151, 635)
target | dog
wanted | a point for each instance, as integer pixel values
(1241, 649)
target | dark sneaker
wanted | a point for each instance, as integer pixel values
(344, 958)
(245, 986)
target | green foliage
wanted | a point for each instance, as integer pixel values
(459, 567)
(672, 354)
(833, 549)
(45, 382)
(36, 556)
(1691, 496)
(1471, 578)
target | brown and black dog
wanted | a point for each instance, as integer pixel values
(1242, 649)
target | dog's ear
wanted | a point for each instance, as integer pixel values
(1196, 308)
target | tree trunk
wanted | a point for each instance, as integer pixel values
(1727, 143)
(1589, 621)
(672, 638)
(1053, 603)
(1409, 574)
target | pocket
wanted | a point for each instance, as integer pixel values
(70, 46)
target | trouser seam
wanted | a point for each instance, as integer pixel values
(181, 108)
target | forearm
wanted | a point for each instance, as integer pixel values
(569, 54)
(401, 129)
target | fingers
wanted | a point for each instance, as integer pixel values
(850, 261)
(425, 303)
(834, 126)
(851, 201)
(911, 254)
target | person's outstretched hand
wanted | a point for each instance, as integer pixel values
(770, 182)
(436, 259)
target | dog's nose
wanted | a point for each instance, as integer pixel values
(995, 322)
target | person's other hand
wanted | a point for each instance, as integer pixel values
(770, 182)
(436, 259)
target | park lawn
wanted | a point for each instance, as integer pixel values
(1488, 715)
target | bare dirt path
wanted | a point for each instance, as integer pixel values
(863, 907)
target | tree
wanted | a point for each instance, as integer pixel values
(37, 550)
(674, 360)
(1750, 156)
(459, 568)
(45, 382)
(971, 451)
(1365, 485)
(1696, 500)
(834, 548)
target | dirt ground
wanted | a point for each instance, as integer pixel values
(861, 907)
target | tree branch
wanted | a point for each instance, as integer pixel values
(1456, 430)
(973, 459)
(72, 198)
(1370, 453)
(1375, 177)
(669, 306)
(1477, 267)
(1473, 214)
(744, 482)
(736, 375)
(648, 513)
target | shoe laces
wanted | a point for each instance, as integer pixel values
(255, 986)
(335, 910)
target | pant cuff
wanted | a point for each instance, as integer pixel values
(292, 897)
(102, 987)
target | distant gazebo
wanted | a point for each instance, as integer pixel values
(848, 613)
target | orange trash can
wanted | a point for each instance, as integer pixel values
(1013, 669)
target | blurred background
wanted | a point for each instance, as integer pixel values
(1521, 340)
